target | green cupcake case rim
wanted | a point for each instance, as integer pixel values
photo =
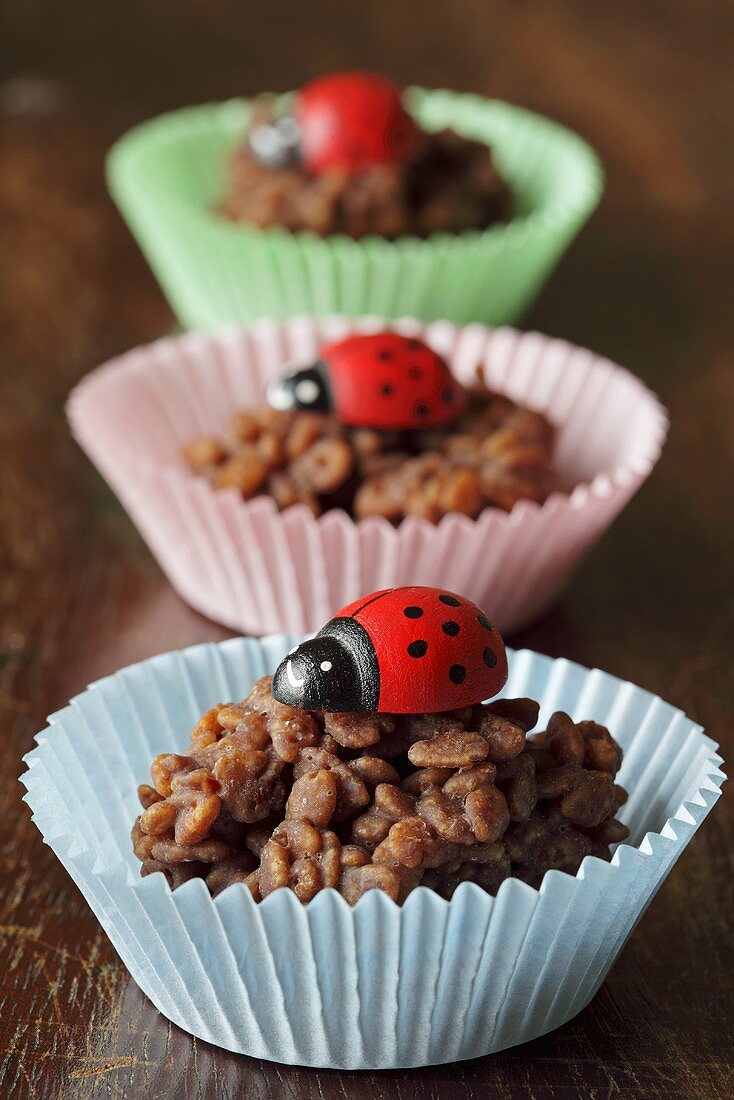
(167, 175)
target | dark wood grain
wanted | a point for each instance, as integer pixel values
(649, 82)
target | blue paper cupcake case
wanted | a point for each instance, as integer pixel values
(376, 986)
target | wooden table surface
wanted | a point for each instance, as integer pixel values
(649, 83)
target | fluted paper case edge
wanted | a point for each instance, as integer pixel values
(376, 986)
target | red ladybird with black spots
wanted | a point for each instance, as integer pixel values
(382, 380)
(353, 120)
(410, 650)
(342, 122)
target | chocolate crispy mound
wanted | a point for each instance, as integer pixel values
(276, 797)
(494, 454)
(450, 183)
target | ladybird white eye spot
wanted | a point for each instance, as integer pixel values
(292, 651)
(293, 680)
(278, 396)
(307, 391)
(266, 143)
(326, 666)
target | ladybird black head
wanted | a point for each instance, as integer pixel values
(304, 388)
(335, 671)
(276, 144)
(315, 675)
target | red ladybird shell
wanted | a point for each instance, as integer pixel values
(436, 651)
(350, 121)
(388, 381)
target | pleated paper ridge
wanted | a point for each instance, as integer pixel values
(256, 570)
(375, 986)
(168, 177)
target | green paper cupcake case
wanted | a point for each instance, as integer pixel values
(168, 176)
(375, 986)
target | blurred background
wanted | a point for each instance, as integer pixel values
(649, 283)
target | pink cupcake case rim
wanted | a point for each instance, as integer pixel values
(147, 357)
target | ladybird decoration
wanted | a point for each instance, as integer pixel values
(343, 122)
(411, 650)
(381, 380)
(351, 121)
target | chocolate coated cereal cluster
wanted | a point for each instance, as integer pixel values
(449, 184)
(495, 454)
(275, 797)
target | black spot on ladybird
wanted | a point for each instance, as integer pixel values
(484, 621)
(450, 601)
(415, 373)
(384, 354)
(448, 396)
(457, 674)
(490, 657)
(418, 649)
(451, 628)
(422, 410)
(412, 612)
(387, 390)
(413, 345)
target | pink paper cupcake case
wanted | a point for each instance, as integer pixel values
(257, 570)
